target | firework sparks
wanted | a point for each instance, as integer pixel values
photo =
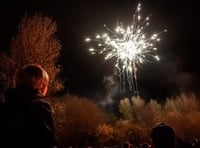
(129, 46)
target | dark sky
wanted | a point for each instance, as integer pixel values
(87, 75)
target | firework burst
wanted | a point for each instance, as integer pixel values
(130, 46)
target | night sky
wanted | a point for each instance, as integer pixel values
(88, 75)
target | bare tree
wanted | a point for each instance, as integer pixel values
(35, 42)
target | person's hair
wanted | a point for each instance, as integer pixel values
(163, 136)
(31, 75)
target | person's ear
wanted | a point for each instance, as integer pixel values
(43, 89)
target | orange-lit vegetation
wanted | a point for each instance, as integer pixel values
(76, 120)
(79, 118)
(35, 42)
(104, 134)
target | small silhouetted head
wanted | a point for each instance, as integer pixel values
(163, 136)
(33, 76)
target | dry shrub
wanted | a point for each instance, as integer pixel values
(104, 134)
(76, 120)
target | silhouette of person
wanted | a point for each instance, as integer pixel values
(145, 145)
(26, 116)
(163, 136)
(126, 145)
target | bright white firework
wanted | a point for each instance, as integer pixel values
(129, 46)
